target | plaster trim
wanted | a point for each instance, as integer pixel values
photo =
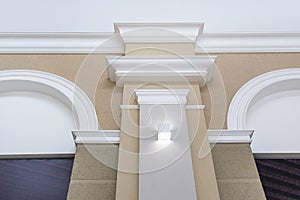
(230, 136)
(149, 96)
(248, 42)
(112, 43)
(97, 137)
(160, 69)
(159, 32)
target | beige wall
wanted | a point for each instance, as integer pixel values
(236, 70)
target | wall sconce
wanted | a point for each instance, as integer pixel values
(164, 132)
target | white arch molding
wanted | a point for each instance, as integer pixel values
(38, 111)
(270, 104)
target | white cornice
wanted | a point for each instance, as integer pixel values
(248, 42)
(230, 136)
(96, 137)
(60, 43)
(159, 32)
(111, 43)
(160, 69)
(161, 96)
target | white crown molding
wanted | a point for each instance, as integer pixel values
(161, 32)
(97, 137)
(148, 96)
(160, 69)
(112, 43)
(248, 42)
(60, 43)
(230, 136)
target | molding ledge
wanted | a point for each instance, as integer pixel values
(159, 32)
(248, 42)
(187, 107)
(60, 43)
(160, 69)
(113, 136)
(148, 96)
(113, 43)
(97, 137)
(230, 136)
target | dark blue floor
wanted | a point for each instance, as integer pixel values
(35, 179)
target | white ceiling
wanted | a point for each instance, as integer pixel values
(99, 15)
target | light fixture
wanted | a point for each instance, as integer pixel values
(164, 132)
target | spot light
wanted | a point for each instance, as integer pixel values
(164, 132)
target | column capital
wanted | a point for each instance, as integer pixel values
(159, 32)
(148, 96)
(160, 69)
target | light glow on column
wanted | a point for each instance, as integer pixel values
(164, 132)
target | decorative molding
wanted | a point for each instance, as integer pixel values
(113, 136)
(187, 107)
(129, 107)
(159, 32)
(195, 107)
(248, 42)
(63, 90)
(61, 43)
(161, 96)
(112, 43)
(160, 69)
(230, 136)
(97, 137)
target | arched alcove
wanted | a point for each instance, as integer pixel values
(270, 104)
(38, 111)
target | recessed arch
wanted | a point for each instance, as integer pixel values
(270, 104)
(39, 111)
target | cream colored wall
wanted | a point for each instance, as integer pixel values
(236, 70)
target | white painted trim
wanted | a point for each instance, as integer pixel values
(160, 69)
(159, 32)
(161, 96)
(129, 107)
(56, 86)
(113, 136)
(187, 107)
(248, 42)
(230, 136)
(97, 137)
(195, 107)
(61, 43)
(111, 43)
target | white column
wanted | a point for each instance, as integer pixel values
(165, 166)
